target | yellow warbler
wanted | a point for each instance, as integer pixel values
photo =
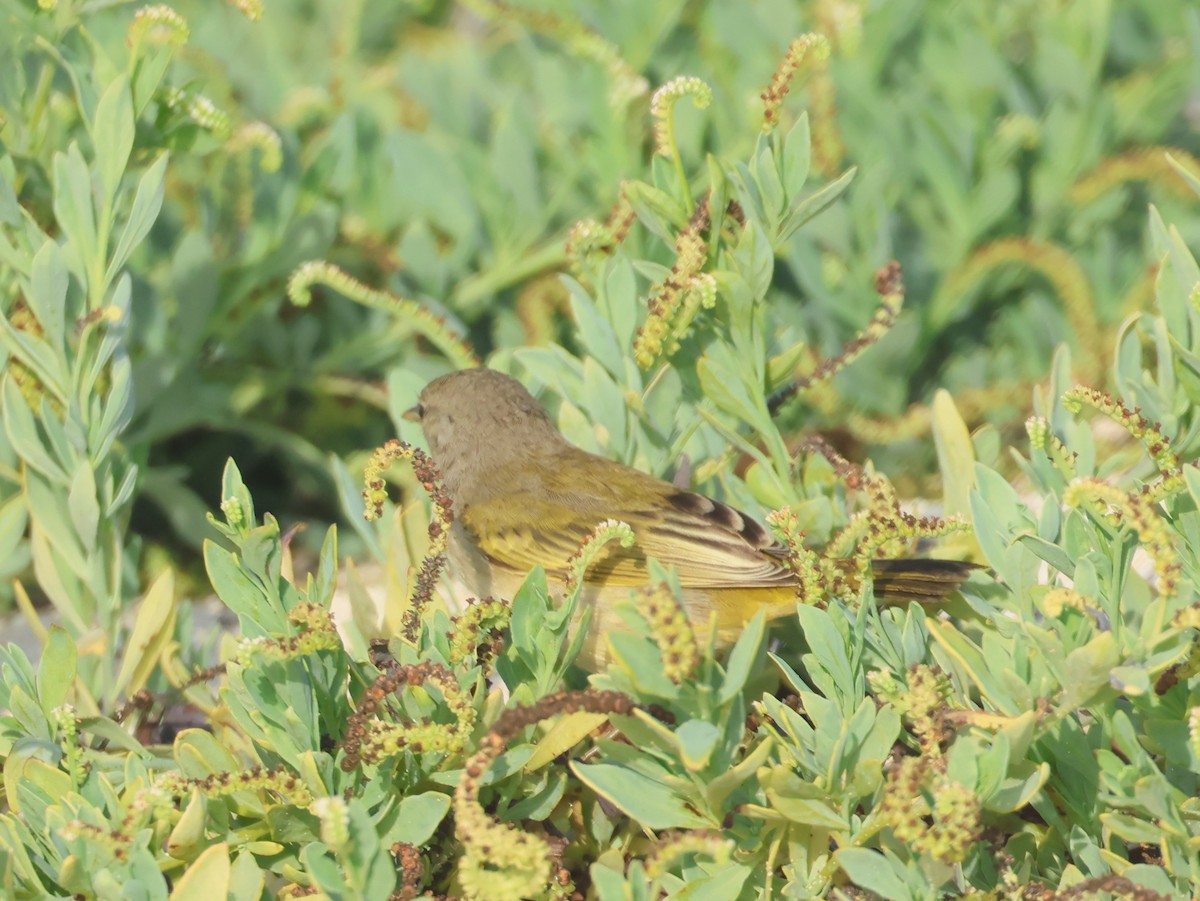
(524, 496)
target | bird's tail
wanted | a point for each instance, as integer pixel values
(918, 579)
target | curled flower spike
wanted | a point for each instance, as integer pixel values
(662, 106)
(251, 9)
(841, 20)
(499, 863)
(1150, 434)
(594, 548)
(374, 494)
(784, 524)
(1043, 439)
(889, 285)
(883, 523)
(317, 633)
(1056, 266)
(578, 40)
(589, 239)
(370, 740)
(411, 869)
(260, 136)
(1056, 600)
(235, 514)
(827, 147)
(956, 823)
(812, 49)
(157, 24)
(202, 111)
(68, 729)
(115, 841)
(334, 814)
(656, 335)
(288, 648)
(906, 808)
(920, 699)
(672, 631)
(421, 319)
(1137, 511)
(1149, 164)
(662, 110)
(479, 631)
(279, 780)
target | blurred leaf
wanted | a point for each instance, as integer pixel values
(566, 732)
(146, 205)
(872, 871)
(651, 803)
(56, 670)
(152, 630)
(207, 878)
(112, 135)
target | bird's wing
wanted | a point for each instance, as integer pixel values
(708, 543)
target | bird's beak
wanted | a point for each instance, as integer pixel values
(412, 414)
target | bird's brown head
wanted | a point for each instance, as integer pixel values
(476, 420)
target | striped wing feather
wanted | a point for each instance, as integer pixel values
(524, 523)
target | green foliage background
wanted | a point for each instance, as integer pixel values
(165, 172)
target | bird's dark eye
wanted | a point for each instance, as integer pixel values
(420, 411)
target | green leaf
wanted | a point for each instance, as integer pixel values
(800, 801)
(767, 180)
(796, 157)
(754, 260)
(566, 732)
(642, 660)
(723, 885)
(73, 204)
(530, 606)
(41, 358)
(1018, 789)
(1056, 556)
(1088, 670)
(24, 438)
(656, 209)
(594, 331)
(84, 508)
(207, 878)
(955, 452)
(808, 207)
(743, 658)
(1192, 178)
(48, 283)
(112, 135)
(719, 788)
(606, 404)
(152, 630)
(697, 740)
(654, 804)
(418, 817)
(961, 656)
(56, 669)
(240, 593)
(874, 872)
(619, 302)
(146, 205)
(10, 209)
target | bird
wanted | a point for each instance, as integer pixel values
(523, 496)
